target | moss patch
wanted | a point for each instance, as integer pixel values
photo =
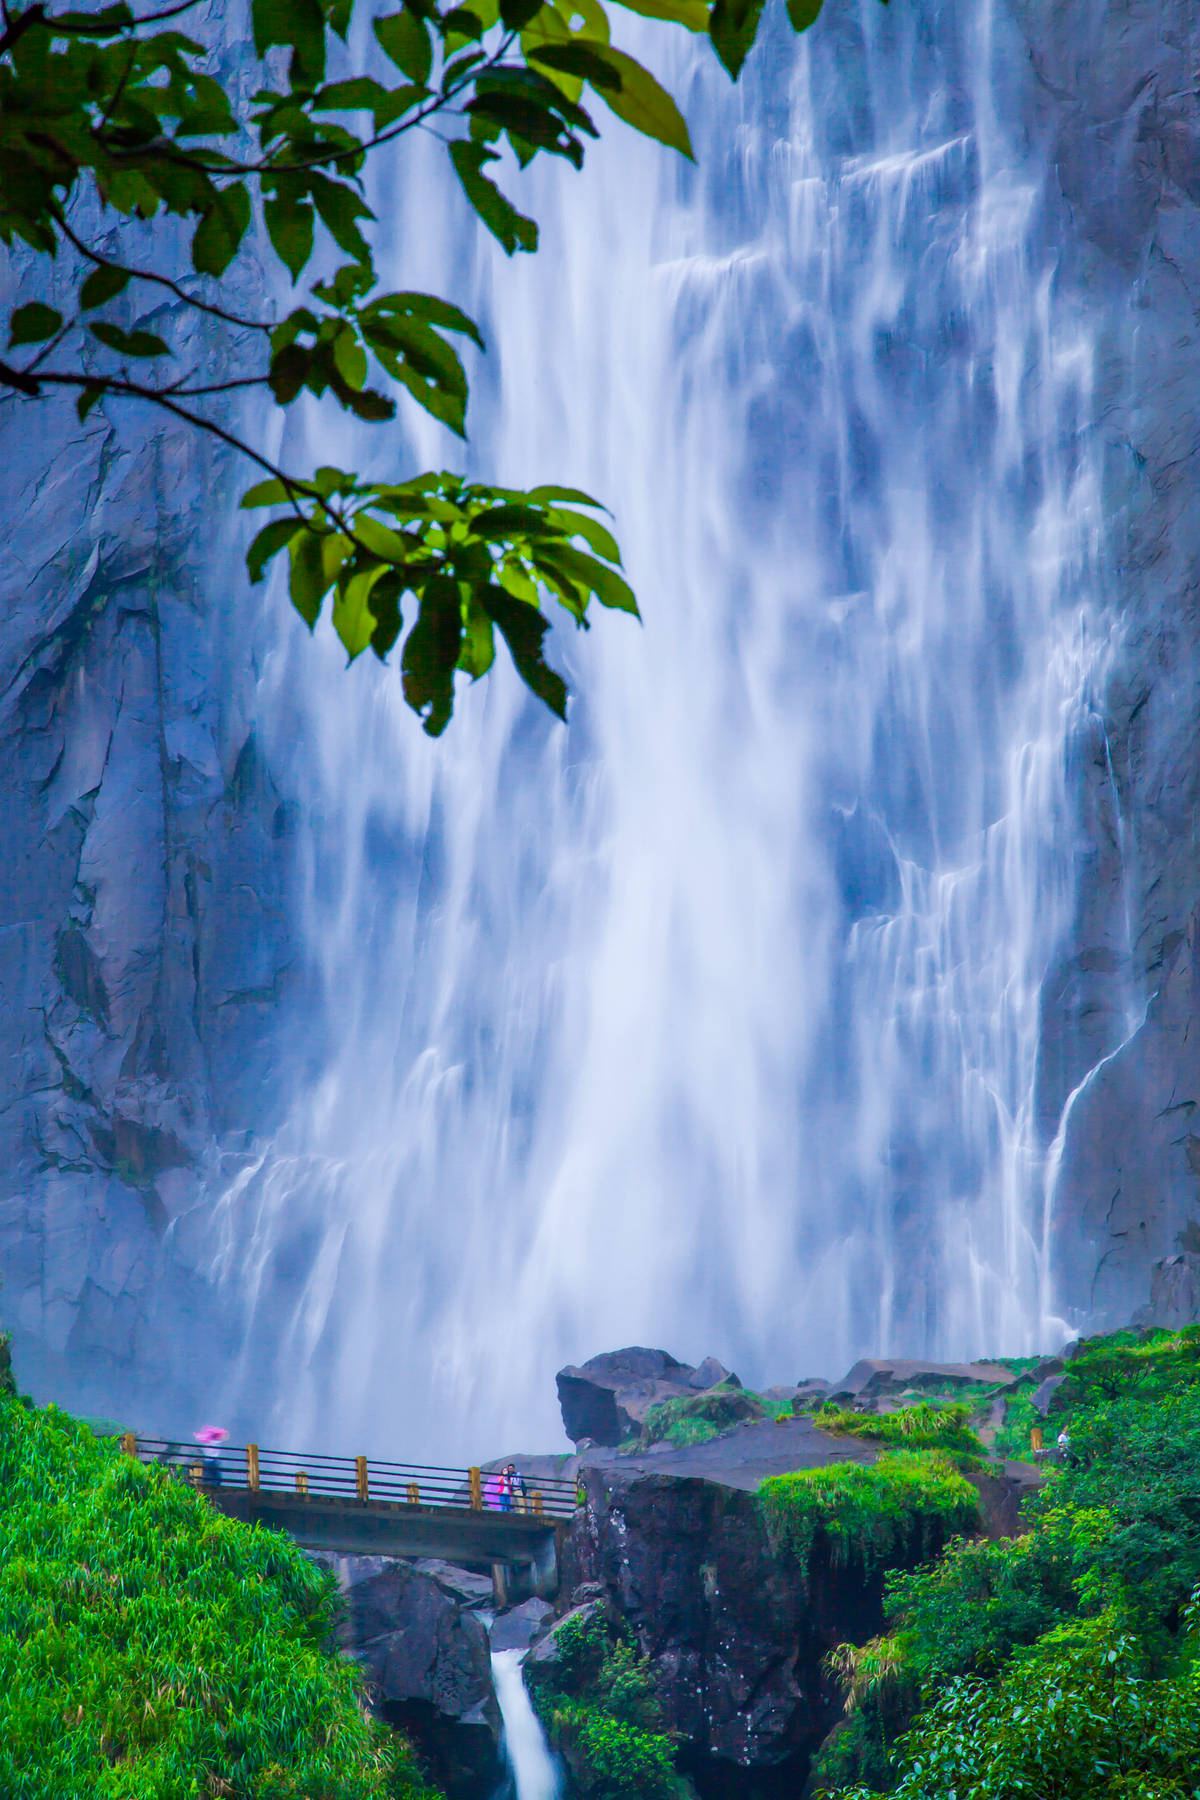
(919, 1427)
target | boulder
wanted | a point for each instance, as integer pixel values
(517, 1628)
(607, 1397)
(427, 1661)
(1043, 1395)
(876, 1377)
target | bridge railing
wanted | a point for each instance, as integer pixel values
(361, 1479)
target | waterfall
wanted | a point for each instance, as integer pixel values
(534, 1774)
(710, 1020)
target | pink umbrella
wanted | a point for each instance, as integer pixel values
(210, 1434)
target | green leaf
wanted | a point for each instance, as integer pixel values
(431, 652)
(128, 343)
(353, 619)
(641, 102)
(316, 560)
(692, 14)
(406, 41)
(290, 224)
(610, 589)
(103, 285)
(88, 398)
(524, 628)
(385, 604)
(351, 358)
(509, 227)
(424, 306)
(106, 21)
(32, 324)
(804, 13)
(516, 14)
(298, 23)
(360, 94)
(266, 493)
(591, 531)
(577, 59)
(733, 26)
(380, 539)
(221, 229)
(269, 541)
(339, 207)
(478, 649)
(574, 496)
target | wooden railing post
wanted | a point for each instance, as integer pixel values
(252, 1467)
(1036, 1440)
(535, 1500)
(302, 1484)
(475, 1485)
(196, 1474)
(129, 1443)
(361, 1480)
(414, 1494)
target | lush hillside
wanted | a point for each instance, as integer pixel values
(152, 1650)
(1065, 1663)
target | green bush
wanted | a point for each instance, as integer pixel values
(1074, 1718)
(1111, 1557)
(905, 1501)
(600, 1710)
(918, 1427)
(694, 1418)
(151, 1649)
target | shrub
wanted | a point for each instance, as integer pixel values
(151, 1649)
(919, 1427)
(599, 1706)
(907, 1500)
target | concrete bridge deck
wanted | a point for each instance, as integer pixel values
(362, 1507)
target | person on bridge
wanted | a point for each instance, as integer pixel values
(512, 1490)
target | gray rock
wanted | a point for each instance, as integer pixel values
(1174, 1293)
(607, 1398)
(517, 1628)
(1043, 1395)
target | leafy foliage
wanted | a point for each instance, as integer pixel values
(151, 1649)
(918, 1427)
(1075, 1718)
(599, 1707)
(906, 1500)
(135, 113)
(1083, 1623)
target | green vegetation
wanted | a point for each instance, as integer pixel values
(1061, 1664)
(906, 1501)
(152, 1650)
(919, 1427)
(694, 1418)
(105, 116)
(600, 1711)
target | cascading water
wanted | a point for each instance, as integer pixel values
(712, 1019)
(534, 1774)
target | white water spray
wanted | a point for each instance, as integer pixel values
(534, 1774)
(711, 1020)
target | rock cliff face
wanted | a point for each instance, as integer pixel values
(1119, 102)
(144, 930)
(735, 1631)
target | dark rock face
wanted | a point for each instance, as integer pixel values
(1119, 107)
(607, 1398)
(427, 1661)
(144, 929)
(873, 1378)
(1174, 1292)
(735, 1631)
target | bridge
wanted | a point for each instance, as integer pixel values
(362, 1507)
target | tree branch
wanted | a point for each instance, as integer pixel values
(15, 29)
(106, 262)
